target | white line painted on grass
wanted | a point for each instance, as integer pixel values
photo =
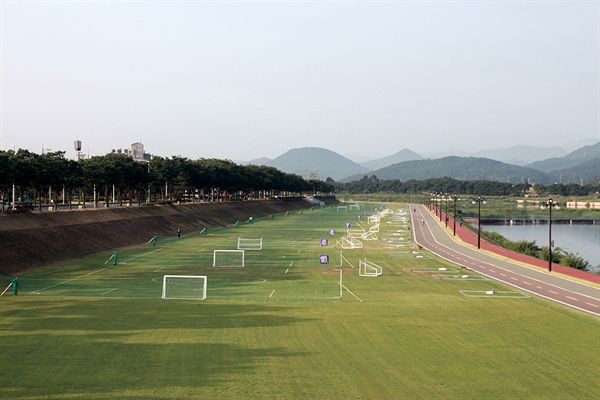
(158, 269)
(107, 292)
(271, 295)
(286, 271)
(68, 280)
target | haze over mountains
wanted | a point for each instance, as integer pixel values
(544, 165)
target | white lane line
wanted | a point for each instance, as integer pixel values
(538, 287)
(553, 292)
(501, 274)
(501, 268)
(508, 283)
(271, 295)
(593, 305)
(571, 298)
(107, 292)
(527, 283)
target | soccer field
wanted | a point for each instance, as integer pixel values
(277, 328)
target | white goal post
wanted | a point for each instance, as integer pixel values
(184, 287)
(342, 208)
(354, 207)
(351, 243)
(368, 268)
(228, 258)
(250, 244)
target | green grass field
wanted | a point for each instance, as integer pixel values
(276, 329)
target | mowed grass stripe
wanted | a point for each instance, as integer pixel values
(109, 335)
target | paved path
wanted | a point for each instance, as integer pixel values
(432, 236)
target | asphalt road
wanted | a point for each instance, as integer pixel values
(432, 236)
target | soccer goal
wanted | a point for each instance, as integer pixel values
(351, 243)
(184, 287)
(342, 208)
(368, 268)
(374, 228)
(374, 219)
(354, 207)
(249, 244)
(228, 258)
(369, 236)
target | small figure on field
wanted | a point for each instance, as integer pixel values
(178, 233)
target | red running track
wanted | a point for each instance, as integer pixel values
(432, 236)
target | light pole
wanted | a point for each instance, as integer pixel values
(446, 215)
(440, 205)
(478, 200)
(454, 197)
(550, 203)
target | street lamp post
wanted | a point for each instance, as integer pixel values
(446, 215)
(440, 205)
(454, 197)
(550, 203)
(478, 200)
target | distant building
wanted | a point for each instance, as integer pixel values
(136, 151)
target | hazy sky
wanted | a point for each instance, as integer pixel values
(241, 80)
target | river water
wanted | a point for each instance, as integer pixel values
(580, 239)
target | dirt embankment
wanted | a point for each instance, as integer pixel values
(34, 240)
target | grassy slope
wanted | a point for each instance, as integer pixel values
(414, 337)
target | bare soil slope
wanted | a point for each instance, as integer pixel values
(34, 240)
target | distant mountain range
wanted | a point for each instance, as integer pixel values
(402, 155)
(313, 161)
(464, 168)
(579, 156)
(583, 163)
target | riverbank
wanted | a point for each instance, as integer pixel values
(34, 240)
(470, 237)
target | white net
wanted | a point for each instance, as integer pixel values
(184, 287)
(228, 258)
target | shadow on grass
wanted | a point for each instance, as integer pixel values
(88, 348)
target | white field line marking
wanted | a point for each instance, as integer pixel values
(299, 251)
(511, 284)
(68, 280)
(158, 269)
(292, 264)
(286, 271)
(271, 295)
(107, 292)
(349, 291)
(504, 269)
(140, 255)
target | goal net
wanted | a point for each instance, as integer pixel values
(354, 207)
(351, 243)
(184, 287)
(228, 258)
(374, 219)
(368, 268)
(249, 244)
(342, 208)
(369, 236)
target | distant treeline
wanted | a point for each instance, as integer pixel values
(43, 177)
(372, 184)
